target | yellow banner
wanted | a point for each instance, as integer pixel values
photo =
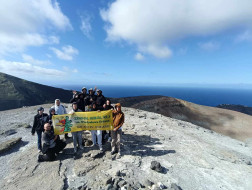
(80, 121)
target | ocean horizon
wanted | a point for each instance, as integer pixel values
(198, 95)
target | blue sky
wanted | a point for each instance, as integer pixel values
(128, 42)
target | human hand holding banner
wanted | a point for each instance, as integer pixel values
(80, 121)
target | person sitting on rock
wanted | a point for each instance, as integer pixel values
(51, 145)
(116, 133)
(96, 134)
(77, 136)
(38, 125)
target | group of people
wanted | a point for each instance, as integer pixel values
(50, 145)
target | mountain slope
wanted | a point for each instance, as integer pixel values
(192, 157)
(227, 122)
(239, 108)
(16, 92)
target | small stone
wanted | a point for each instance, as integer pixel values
(174, 186)
(108, 180)
(148, 183)
(10, 132)
(27, 126)
(154, 187)
(156, 166)
(122, 183)
(118, 173)
(161, 185)
(123, 188)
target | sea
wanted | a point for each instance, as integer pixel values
(198, 95)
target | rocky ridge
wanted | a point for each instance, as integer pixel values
(190, 157)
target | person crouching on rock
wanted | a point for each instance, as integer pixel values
(77, 136)
(116, 133)
(50, 145)
(38, 125)
(96, 134)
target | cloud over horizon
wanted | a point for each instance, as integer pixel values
(153, 25)
(23, 69)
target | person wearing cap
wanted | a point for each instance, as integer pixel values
(91, 96)
(77, 136)
(100, 99)
(38, 125)
(116, 133)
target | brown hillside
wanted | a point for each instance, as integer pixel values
(227, 122)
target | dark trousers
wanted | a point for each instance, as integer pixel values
(50, 153)
(39, 134)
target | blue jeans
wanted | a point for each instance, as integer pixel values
(39, 133)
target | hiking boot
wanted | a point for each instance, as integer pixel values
(100, 147)
(38, 159)
(113, 152)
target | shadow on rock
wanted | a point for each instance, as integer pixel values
(140, 145)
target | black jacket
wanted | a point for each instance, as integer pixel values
(100, 101)
(39, 121)
(108, 107)
(47, 137)
(91, 98)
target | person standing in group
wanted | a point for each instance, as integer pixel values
(100, 100)
(77, 136)
(96, 134)
(60, 110)
(107, 106)
(116, 133)
(91, 96)
(38, 125)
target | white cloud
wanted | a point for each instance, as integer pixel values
(30, 59)
(245, 36)
(25, 23)
(86, 27)
(139, 56)
(23, 69)
(151, 25)
(209, 46)
(66, 53)
(156, 50)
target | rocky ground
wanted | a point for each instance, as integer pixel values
(191, 157)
